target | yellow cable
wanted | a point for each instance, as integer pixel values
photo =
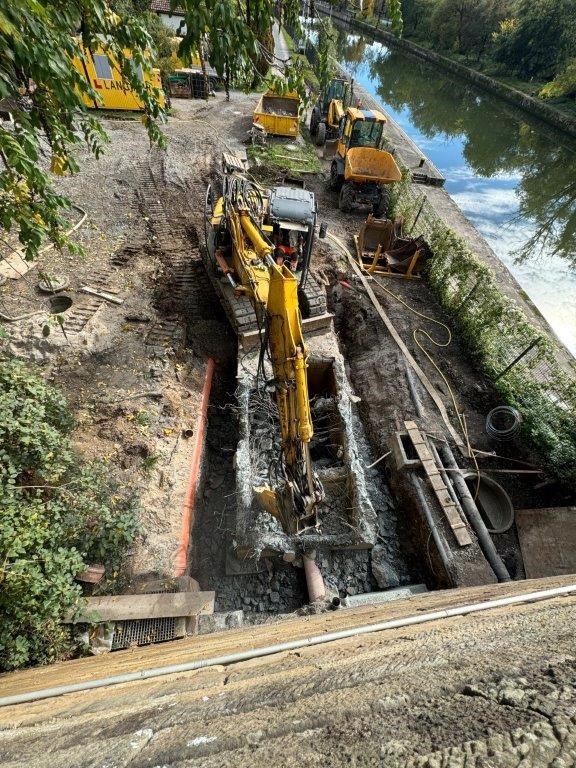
(460, 416)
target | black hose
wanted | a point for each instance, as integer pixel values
(473, 515)
(503, 422)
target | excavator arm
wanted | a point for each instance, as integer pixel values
(273, 290)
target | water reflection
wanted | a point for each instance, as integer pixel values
(514, 178)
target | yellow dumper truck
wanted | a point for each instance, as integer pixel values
(361, 171)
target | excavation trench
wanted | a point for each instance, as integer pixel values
(240, 551)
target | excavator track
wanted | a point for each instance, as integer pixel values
(241, 315)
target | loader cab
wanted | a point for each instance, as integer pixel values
(338, 90)
(360, 128)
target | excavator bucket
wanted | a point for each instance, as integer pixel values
(382, 249)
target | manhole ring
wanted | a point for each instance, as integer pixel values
(60, 304)
(53, 283)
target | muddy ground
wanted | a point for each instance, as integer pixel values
(133, 371)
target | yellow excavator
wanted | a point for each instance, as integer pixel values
(247, 232)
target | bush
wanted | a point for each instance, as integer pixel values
(57, 514)
(495, 331)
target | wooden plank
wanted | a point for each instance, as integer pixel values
(159, 606)
(547, 540)
(232, 640)
(438, 486)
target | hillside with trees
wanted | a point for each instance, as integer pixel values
(531, 42)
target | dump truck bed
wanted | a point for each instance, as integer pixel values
(369, 164)
(278, 115)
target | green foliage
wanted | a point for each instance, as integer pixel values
(56, 515)
(539, 38)
(326, 50)
(495, 331)
(236, 36)
(564, 84)
(278, 157)
(37, 45)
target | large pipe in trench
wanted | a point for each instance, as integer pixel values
(473, 515)
(441, 546)
(314, 580)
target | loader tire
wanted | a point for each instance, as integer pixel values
(314, 120)
(321, 135)
(335, 178)
(380, 208)
(346, 200)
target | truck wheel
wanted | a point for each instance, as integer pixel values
(381, 207)
(335, 178)
(346, 198)
(321, 135)
(314, 120)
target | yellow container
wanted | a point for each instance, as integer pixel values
(278, 115)
(102, 71)
(369, 164)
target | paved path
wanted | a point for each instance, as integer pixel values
(280, 48)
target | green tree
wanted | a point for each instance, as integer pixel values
(538, 39)
(466, 26)
(38, 42)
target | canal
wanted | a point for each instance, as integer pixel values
(513, 177)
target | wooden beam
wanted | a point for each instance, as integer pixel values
(127, 607)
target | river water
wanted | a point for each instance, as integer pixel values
(510, 175)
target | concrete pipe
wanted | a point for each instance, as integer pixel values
(314, 580)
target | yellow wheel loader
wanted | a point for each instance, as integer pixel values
(329, 110)
(361, 171)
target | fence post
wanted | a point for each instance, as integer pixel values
(517, 359)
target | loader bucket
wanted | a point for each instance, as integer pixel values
(382, 249)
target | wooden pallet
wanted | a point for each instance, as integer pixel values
(438, 486)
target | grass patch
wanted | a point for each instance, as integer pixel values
(292, 157)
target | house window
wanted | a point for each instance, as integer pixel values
(102, 66)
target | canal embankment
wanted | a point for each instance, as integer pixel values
(506, 336)
(436, 205)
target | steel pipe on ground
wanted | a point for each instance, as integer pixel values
(472, 513)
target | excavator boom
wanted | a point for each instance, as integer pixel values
(246, 254)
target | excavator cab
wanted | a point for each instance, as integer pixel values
(292, 216)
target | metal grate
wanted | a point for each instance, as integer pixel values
(147, 631)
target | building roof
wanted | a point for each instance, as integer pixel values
(163, 6)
